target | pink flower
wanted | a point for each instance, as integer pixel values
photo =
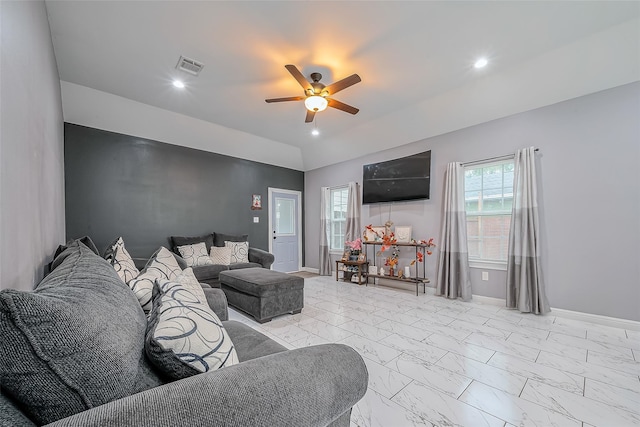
(355, 245)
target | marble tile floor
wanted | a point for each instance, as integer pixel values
(439, 362)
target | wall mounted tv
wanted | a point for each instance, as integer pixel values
(395, 180)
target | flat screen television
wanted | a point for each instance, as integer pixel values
(396, 180)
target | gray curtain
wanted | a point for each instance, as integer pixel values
(353, 230)
(525, 287)
(453, 278)
(325, 258)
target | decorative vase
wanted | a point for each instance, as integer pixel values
(382, 271)
(391, 272)
(407, 271)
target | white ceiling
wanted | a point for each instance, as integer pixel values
(413, 57)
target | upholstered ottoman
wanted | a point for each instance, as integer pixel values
(263, 293)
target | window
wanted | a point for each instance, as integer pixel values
(338, 218)
(488, 195)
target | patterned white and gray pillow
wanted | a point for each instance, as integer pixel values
(195, 255)
(184, 336)
(161, 265)
(189, 281)
(120, 259)
(239, 251)
(221, 256)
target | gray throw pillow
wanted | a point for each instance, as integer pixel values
(184, 336)
(220, 238)
(74, 343)
(86, 240)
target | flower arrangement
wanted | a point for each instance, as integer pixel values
(389, 242)
(354, 245)
(429, 244)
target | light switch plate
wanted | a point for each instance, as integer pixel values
(256, 219)
(485, 275)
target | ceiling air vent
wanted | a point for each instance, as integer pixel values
(189, 66)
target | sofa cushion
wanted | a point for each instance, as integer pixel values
(239, 251)
(184, 336)
(86, 240)
(220, 255)
(249, 343)
(209, 272)
(121, 261)
(241, 265)
(182, 241)
(195, 255)
(161, 265)
(74, 343)
(220, 238)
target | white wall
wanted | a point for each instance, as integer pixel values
(31, 145)
(603, 60)
(589, 196)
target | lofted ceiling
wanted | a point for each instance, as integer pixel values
(415, 60)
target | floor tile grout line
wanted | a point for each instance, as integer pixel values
(546, 408)
(465, 389)
(458, 314)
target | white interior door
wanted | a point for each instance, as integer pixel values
(284, 229)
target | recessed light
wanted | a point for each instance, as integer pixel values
(178, 84)
(315, 132)
(481, 63)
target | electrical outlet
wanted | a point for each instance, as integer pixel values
(256, 219)
(485, 275)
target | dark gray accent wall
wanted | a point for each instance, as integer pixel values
(144, 190)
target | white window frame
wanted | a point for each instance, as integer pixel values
(487, 264)
(333, 221)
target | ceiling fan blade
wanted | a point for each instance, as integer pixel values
(342, 106)
(343, 84)
(310, 116)
(290, 98)
(299, 77)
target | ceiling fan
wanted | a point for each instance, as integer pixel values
(317, 95)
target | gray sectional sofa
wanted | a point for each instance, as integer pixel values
(209, 274)
(72, 354)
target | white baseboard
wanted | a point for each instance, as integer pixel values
(559, 312)
(311, 270)
(597, 318)
(575, 315)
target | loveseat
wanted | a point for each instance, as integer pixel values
(72, 353)
(209, 274)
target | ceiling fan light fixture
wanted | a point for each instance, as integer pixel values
(316, 103)
(481, 63)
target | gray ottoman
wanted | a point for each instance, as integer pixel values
(263, 293)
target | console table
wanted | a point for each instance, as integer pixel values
(419, 279)
(361, 269)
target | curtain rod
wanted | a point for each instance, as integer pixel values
(505, 157)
